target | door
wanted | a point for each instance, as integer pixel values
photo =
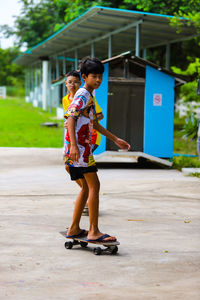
(126, 113)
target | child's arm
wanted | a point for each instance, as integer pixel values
(119, 142)
(74, 151)
(100, 116)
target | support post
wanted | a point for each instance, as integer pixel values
(76, 59)
(167, 62)
(144, 53)
(92, 50)
(137, 40)
(35, 98)
(110, 46)
(57, 69)
(49, 88)
(45, 64)
(64, 72)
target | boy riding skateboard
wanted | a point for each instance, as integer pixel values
(73, 83)
(82, 119)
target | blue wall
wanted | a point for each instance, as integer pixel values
(101, 95)
(158, 119)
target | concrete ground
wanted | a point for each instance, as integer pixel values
(153, 212)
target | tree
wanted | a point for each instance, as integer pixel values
(40, 19)
(10, 73)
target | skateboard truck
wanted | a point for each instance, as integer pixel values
(96, 250)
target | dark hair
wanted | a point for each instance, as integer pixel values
(73, 73)
(91, 65)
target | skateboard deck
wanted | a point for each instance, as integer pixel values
(110, 247)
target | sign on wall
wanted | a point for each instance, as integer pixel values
(157, 99)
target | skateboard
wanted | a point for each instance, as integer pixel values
(110, 247)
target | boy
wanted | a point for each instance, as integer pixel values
(81, 117)
(72, 83)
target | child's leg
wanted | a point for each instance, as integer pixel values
(78, 181)
(78, 208)
(93, 204)
(93, 200)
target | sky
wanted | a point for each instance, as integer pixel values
(8, 9)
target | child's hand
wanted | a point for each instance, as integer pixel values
(66, 124)
(74, 153)
(122, 144)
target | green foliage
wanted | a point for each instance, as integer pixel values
(195, 174)
(185, 162)
(15, 91)
(193, 68)
(190, 18)
(10, 73)
(166, 7)
(20, 125)
(37, 21)
(183, 145)
(188, 90)
(190, 128)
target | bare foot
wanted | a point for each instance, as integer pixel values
(99, 235)
(75, 231)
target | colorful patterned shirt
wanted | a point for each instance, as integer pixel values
(82, 109)
(96, 136)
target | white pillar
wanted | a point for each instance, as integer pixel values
(45, 65)
(137, 40)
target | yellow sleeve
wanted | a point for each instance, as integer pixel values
(97, 107)
(66, 102)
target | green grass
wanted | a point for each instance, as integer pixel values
(184, 146)
(196, 174)
(20, 125)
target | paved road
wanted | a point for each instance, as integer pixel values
(154, 213)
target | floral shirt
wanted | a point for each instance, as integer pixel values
(82, 109)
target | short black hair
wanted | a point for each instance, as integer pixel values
(91, 65)
(73, 73)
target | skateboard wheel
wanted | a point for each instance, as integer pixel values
(68, 245)
(83, 244)
(114, 250)
(97, 251)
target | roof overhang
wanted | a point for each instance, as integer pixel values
(97, 25)
(179, 79)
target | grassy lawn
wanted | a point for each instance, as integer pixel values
(20, 125)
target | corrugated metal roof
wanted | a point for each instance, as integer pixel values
(97, 24)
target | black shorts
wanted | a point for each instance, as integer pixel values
(78, 172)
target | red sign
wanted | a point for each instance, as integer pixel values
(157, 99)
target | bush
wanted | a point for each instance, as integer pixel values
(188, 91)
(15, 91)
(185, 162)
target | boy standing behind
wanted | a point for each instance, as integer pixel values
(82, 118)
